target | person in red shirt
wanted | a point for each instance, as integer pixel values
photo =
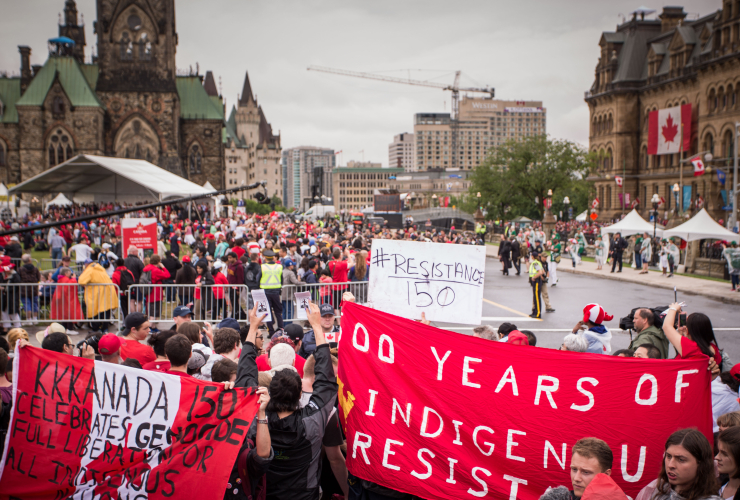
(219, 278)
(178, 350)
(137, 330)
(695, 340)
(263, 361)
(158, 341)
(158, 274)
(237, 249)
(338, 268)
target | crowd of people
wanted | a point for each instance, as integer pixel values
(293, 363)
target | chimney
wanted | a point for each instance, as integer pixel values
(26, 75)
(671, 18)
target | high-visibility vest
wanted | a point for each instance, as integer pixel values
(272, 276)
(534, 268)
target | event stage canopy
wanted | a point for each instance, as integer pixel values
(101, 178)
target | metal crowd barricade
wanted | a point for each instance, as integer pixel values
(321, 293)
(71, 304)
(48, 264)
(18, 262)
(208, 303)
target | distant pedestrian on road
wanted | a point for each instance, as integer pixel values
(516, 252)
(618, 247)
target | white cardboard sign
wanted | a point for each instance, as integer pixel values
(442, 280)
(302, 299)
(263, 307)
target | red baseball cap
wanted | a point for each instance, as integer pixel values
(110, 344)
(735, 371)
(517, 338)
(186, 258)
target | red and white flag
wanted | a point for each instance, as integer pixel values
(635, 203)
(664, 130)
(698, 166)
(699, 201)
(662, 200)
(102, 430)
(595, 203)
(618, 180)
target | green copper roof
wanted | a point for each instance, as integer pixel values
(195, 103)
(10, 92)
(230, 129)
(91, 72)
(71, 77)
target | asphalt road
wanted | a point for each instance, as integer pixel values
(509, 298)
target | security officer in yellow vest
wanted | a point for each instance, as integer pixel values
(536, 274)
(271, 282)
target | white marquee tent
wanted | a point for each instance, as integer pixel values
(582, 216)
(60, 201)
(101, 178)
(631, 224)
(209, 186)
(701, 227)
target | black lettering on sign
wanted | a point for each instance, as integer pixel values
(92, 388)
(139, 380)
(72, 383)
(209, 401)
(39, 372)
(157, 406)
(232, 394)
(55, 385)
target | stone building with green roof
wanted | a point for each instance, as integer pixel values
(128, 103)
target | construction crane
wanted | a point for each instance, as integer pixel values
(454, 88)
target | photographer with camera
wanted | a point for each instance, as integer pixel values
(695, 340)
(647, 332)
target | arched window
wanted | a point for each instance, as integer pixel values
(145, 47)
(127, 47)
(195, 159)
(728, 145)
(57, 105)
(712, 104)
(709, 143)
(60, 147)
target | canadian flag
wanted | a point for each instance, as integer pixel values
(662, 200)
(618, 179)
(698, 166)
(595, 203)
(664, 130)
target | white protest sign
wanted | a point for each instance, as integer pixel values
(301, 300)
(441, 280)
(263, 307)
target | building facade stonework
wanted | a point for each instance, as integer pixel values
(652, 64)
(128, 102)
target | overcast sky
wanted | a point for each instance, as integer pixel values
(527, 49)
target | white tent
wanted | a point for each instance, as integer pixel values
(701, 227)
(631, 224)
(209, 186)
(107, 179)
(3, 189)
(582, 216)
(60, 201)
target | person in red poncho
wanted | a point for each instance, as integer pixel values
(65, 304)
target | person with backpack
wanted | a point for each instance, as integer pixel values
(154, 273)
(136, 266)
(124, 279)
(184, 279)
(106, 258)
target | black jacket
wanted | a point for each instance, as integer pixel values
(619, 245)
(253, 275)
(516, 250)
(10, 300)
(172, 265)
(134, 265)
(14, 250)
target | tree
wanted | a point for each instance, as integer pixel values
(518, 172)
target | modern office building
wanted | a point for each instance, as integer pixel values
(401, 152)
(355, 184)
(483, 123)
(307, 174)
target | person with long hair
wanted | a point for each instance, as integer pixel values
(687, 471)
(359, 273)
(728, 461)
(693, 340)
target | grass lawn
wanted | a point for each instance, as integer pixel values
(45, 264)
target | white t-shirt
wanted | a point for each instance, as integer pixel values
(82, 252)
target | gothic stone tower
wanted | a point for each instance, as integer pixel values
(137, 80)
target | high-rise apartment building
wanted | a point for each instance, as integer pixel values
(401, 152)
(355, 184)
(307, 174)
(482, 124)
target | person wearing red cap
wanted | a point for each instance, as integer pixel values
(109, 347)
(517, 338)
(598, 336)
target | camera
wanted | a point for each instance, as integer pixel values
(91, 341)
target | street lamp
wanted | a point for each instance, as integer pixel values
(655, 200)
(566, 202)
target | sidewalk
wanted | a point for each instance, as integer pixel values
(684, 284)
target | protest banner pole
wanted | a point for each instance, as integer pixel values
(131, 209)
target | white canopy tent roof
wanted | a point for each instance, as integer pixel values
(60, 201)
(106, 179)
(631, 224)
(582, 216)
(209, 186)
(701, 227)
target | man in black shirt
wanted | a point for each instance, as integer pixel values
(618, 246)
(134, 264)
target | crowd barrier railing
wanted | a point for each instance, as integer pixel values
(70, 304)
(321, 293)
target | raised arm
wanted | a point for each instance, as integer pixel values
(246, 371)
(669, 330)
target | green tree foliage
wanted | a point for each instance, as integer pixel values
(517, 172)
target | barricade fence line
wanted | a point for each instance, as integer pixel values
(70, 304)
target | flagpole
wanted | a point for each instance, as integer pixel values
(680, 170)
(624, 175)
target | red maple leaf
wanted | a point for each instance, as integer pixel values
(670, 129)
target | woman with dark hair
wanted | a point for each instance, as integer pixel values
(693, 340)
(204, 289)
(157, 342)
(728, 461)
(687, 471)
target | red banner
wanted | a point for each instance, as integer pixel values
(89, 428)
(442, 415)
(141, 233)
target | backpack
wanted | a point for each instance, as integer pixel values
(243, 487)
(145, 278)
(127, 279)
(103, 260)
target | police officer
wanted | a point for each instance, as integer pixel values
(271, 282)
(536, 272)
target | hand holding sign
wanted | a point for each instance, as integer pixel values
(302, 299)
(262, 305)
